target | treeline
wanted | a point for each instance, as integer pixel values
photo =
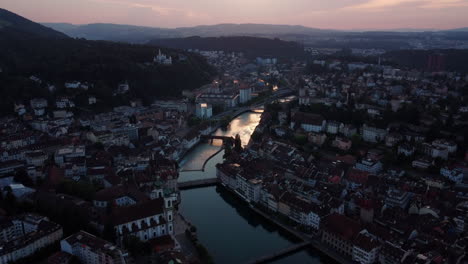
(251, 46)
(104, 64)
(448, 59)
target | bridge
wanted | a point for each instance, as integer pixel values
(279, 254)
(197, 183)
(225, 139)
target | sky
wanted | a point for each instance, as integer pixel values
(327, 14)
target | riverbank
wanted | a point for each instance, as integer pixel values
(231, 231)
(313, 241)
(206, 161)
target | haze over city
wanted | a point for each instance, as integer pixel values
(328, 14)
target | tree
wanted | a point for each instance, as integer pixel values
(227, 150)
(256, 136)
(238, 144)
(300, 139)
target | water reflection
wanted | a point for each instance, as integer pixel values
(231, 232)
(244, 125)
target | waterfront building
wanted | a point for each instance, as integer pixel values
(226, 173)
(245, 94)
(339, 232)
(204, 111)
(224, 100)
(248, 187)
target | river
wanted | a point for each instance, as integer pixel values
(231, 232)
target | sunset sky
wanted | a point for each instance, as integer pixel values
(336, 14)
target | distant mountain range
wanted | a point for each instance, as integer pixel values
(139, 34)
(130, 33)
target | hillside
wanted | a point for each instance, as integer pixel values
(56, 60)
(15, 25)
(250, 46)
(430, 60)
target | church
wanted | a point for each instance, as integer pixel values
(163, 59)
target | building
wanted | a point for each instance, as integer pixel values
(435, 151)
(342, 143)
(317, 138)
(22, 236)
(248, 187)
(226, 173)
(145, 220)
(224, 100)
(38, 103)
(308, 122)
(398, 198)
(449, 145)
(406, 149)
(369, 165)
(204, 111)
(366, 248)
(163, 59)
(333, 127)
(455, 174)
(61, 155)
(36, 158)
(339, 232)
(373, 134)
(245, 94)
(119, 195)
(422, 163)
(391, 253)
(90, 249)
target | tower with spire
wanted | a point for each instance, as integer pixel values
(162, 59)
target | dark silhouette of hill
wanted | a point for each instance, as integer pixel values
(139, 34)
(431, 60)
(250, 46)
(15, 25)
(56, 59)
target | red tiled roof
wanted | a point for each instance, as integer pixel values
(366, 242)
(122, 215)
(344, 227)
(358, 176)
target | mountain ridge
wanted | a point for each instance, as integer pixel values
(11, 23)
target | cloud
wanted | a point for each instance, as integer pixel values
(382, 5)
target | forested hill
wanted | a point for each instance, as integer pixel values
(15, 25)
(250, 46)
(431, 60)
(56, 60)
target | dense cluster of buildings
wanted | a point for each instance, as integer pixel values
(369, 186)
